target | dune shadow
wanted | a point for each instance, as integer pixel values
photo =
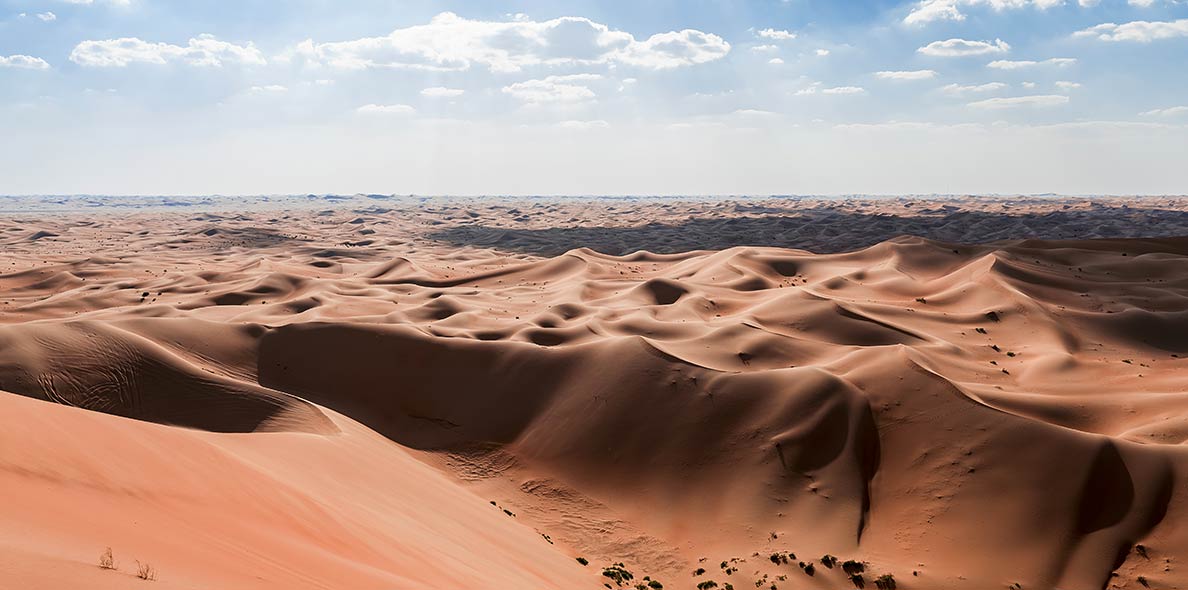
(825, 230)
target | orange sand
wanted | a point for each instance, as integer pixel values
(333, 398)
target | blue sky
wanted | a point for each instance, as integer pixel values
(641, 97)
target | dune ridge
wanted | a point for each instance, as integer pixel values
(956, 415)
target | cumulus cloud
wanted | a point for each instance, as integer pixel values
(386, 109)
(23, 62)
(1039, 100)
(203, 50)
(776, 34)
(1141, 3)
(1006, 64)
(822, 52)
(268, 89)
(962, 48)
(775, 61)
(764, 48)
(927, 11)
(987, 87)
(442, 92)
(1137, 31)
(843, 90)
(450, 42)
(1066, 85)
(907, 75)
(1168, 112)
(815, 88)
(47, 16)
(570, 88)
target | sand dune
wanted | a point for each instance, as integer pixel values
(291, 409)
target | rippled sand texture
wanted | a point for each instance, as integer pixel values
(471, 394)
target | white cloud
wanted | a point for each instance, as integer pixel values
(1006, 64)
(775, 61)
(442, 92)
(203, 50)
(1066, 85)
(764, 48)
(1168, 112)
(1029, 85)
(1139, 31)
(907, 75)
(583, 125)
(1040, 100)
(822, 52)
(553, 89)
(926, 11)
(89, 2)
(844, 90)
(451, 42)
(811, 89)
(1141, 3)
(270, 88)
(962, 47)
(987, 87)
(386, 109)
(753, 113)
(23, 62)
(776, 34)
(47, 16)
(815, 88)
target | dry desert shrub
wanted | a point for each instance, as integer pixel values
(106, 560)
(145, 571)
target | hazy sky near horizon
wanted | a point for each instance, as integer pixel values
(612, 97)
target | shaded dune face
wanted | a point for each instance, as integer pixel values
(915, 404)
(99, 367)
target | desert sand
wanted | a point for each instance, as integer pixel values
(390, 392)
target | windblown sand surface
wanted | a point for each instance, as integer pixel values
(391, 393)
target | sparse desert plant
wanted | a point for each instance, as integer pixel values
(583, 561)
(885, 582)
(828, 561)
(1143, 580)
(146, 571)
(809, 569)
(106, 560)
(699, 571)
(655, 584)
(853, 567)
(858, 580)
(1141, 550)
(728, 586)
(706, 585)
(618, 573)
